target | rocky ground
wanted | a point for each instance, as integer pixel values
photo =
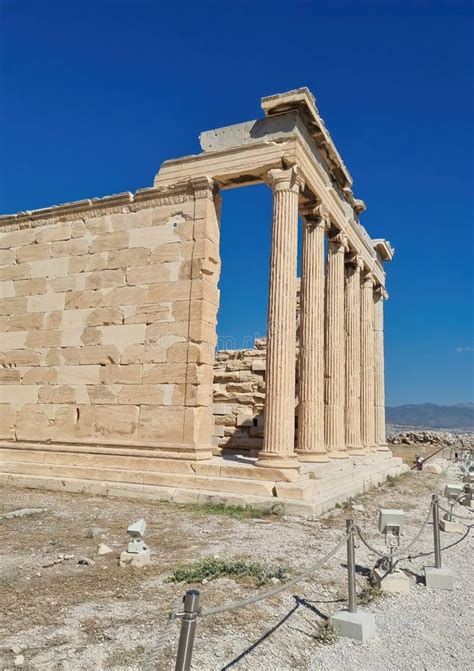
(90, 616)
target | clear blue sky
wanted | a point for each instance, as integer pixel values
(95, 95)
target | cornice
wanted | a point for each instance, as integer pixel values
(201, 187)
(304, 102)
(384, 248)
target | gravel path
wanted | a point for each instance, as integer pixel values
(423, 630)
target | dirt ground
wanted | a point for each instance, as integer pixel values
(73, 617)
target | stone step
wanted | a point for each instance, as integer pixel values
(62, 455)
(348, 477)
(110, 474)
(66, 455)
(134, 491)
(361, 483)
(181, 493)
(337, 465)
(301, 491)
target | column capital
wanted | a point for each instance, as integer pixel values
(289, 179)
(316, 216)
(381, 292)
(368, 280)
(339, 243)
(355, 261)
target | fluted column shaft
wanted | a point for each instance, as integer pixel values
(379, 382)
(367, 363)
(353, 333)
(279, 431)
(310, 443)
(335, 349)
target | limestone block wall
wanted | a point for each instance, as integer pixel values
(239, 397)
(107, 321)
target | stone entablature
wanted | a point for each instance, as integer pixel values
(108, 320)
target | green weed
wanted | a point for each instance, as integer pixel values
(211, 568)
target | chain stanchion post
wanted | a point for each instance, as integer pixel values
(351, 622)
(188, 630)
(436, 534)
(436, 576)
(351, 567)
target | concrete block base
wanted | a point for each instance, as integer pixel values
(359, 626)
(134, 559)
(439, 578)
(393, 583)
(451, 527)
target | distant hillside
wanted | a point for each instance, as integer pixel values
(430, 415)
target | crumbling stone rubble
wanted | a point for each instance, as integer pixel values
(441, 438)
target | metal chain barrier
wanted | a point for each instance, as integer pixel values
(233, 605)
(155, 653)
(445, 547)
(403, 551)
(368, 546)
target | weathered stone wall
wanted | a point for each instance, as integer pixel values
(239, 397)
(107, 320)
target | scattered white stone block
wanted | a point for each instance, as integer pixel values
(104, 549)
(394, 582)
(435, 469)
(86, 561)
(134, 559)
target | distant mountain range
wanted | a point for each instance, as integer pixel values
(432, 416)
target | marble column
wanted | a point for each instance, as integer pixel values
(354, 266)
(335, 349)
(310, 443)
(279, 431)
(379, 384)
(367, 411)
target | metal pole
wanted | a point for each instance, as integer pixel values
(351, 567)
(436, 535)
(188, 631)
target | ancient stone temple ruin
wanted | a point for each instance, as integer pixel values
(110, 383)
